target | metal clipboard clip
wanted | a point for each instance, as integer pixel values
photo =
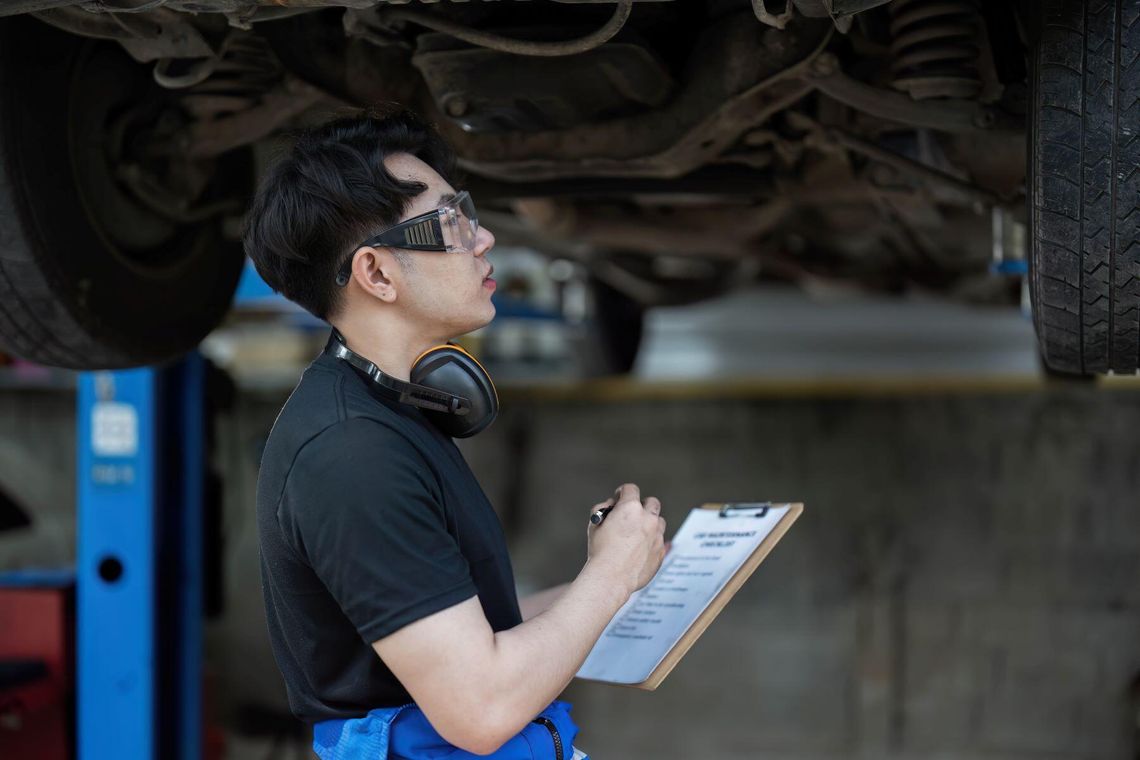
(752, 509)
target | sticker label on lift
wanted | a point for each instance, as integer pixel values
(114, 429)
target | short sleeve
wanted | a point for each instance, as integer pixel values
(361, 506)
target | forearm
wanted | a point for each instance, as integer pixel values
(479, 687)
(533, 662)
(533, 604)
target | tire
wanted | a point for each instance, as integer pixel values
(90, 277)
(616, 331)
(1084, 184)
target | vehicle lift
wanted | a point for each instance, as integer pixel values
(139, 573)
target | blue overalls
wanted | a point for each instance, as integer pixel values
(403, 733)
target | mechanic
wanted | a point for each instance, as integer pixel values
(389, 593)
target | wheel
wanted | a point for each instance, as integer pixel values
(616, 331)
(1084, 184)
(94, 271)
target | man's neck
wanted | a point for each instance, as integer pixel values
(391, 347)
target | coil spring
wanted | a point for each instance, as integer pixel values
(935, 44)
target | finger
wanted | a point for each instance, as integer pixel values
(653, 504)
(627, 492)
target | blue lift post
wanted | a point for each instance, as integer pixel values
(141, 441)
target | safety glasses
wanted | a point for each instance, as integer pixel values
(451, 228)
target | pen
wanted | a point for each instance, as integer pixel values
(599, 515)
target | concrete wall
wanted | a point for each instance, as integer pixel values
(965, 581)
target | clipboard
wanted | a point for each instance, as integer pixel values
(734, 511)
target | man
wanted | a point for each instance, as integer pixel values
(385, 569)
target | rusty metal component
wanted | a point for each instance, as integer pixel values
(836, 10)
(16, 7)
(240, 12)
(275, 108)
(177, 73)
(77, 21)
(700, 144)
(245, 97)
(244, 68)
(774, 13)
(777, 13)
(935, 48)
(508, 44)
(146, 36)
(730, 90)
(670, 142)
(487, 91)
(908, 166)
(841, 8)
(943, 115)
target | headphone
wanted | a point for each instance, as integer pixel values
(450, 385)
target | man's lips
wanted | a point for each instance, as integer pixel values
(487, 281)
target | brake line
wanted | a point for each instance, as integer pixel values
(511, 45)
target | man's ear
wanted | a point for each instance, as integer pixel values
(377, 272)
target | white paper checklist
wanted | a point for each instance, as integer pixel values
(707, 551)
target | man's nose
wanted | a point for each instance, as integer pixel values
(484, 241)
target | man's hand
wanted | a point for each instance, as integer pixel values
(630, 542)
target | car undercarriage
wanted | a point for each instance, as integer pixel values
(674, 148)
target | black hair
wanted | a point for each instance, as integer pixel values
(330, 192)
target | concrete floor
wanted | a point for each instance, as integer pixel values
(784, 333)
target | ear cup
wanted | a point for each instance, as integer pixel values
(452, 370)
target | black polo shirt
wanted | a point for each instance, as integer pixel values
(368, 519)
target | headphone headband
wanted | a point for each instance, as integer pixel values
(417, 395)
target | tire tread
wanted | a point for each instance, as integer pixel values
(1085, 181)
(1085, 170)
